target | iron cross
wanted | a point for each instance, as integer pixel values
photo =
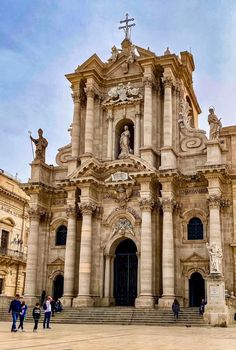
(127, 26)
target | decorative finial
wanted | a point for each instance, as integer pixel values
(127, 27)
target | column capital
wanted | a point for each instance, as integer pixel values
(71, 211)
(167, 204)
(109, 118)
(87, 208)
(167, 81)
(36, 213)
(146, 203)
(214, 201)
(148, 82)
(76, 97)
(90, 91)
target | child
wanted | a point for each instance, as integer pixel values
(36, 316)
(22, 315)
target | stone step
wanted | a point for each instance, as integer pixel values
(116, 315)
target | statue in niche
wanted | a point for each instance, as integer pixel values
(215, 258)
(215, 125)
(41, 145)
(125, 143)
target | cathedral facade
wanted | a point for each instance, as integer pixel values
(140, 196)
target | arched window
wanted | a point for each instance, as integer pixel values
(195, 229)
(61, 235)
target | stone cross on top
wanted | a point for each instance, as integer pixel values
(127, 26)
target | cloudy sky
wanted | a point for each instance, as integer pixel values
(42, 40)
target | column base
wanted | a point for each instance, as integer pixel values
(83, 301)
(168, 158)
(166, 301)
(148, 154)
(107, 301)
(144, 301)
(85, 157)
(67, 300)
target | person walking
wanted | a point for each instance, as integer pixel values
(202, 307)
(14, 309)
(22, 315)
(176, 309)
(36, 316)
(47, 312)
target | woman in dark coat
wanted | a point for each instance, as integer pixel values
(176, 309)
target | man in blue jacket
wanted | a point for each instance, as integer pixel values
(15, 308)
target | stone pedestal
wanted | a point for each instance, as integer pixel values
(144, 301)
(214, 152)
(168, 158)
(148, 154)
(216, 310)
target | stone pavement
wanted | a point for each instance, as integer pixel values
(96, 337)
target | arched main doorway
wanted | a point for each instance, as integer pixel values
(58, 286)
(125, 273)
(196, 289)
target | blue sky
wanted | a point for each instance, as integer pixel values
(42, 40)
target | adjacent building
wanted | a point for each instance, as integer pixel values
(14, 229)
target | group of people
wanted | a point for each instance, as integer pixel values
(176, 308)
(19, 308)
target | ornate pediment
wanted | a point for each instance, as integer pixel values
(57, 261)
(193, 258)
(94, 62)
(102, 171)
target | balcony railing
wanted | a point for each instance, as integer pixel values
(12, 253)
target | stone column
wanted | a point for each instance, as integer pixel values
(110, 119)
(70, 256)
(137, 135)
(75, 125)
(214, 215)
(89, 120)
(147, 119)
(145, 298)
(167, 117)
(107, 281)
(167, 254)
(84, 297)
(168, 157)
(32, 256)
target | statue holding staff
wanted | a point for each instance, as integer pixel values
(40, 144)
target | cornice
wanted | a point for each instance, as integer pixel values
(12, 195)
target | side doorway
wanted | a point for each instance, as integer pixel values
(58, 287)
(196, 289)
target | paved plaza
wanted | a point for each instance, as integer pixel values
(117, 337)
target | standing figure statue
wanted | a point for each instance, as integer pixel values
(125, 143)
(215, 125)
(215, 258)
(40, 144)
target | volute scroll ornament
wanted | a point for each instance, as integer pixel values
(90, 91)
(148, 82)
(37, 213)
(76, 97)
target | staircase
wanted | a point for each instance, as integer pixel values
(120, 315)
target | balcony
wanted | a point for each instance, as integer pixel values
(10, 253)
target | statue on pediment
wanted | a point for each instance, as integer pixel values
(41, 144)
(215, 124)
(114, 54)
